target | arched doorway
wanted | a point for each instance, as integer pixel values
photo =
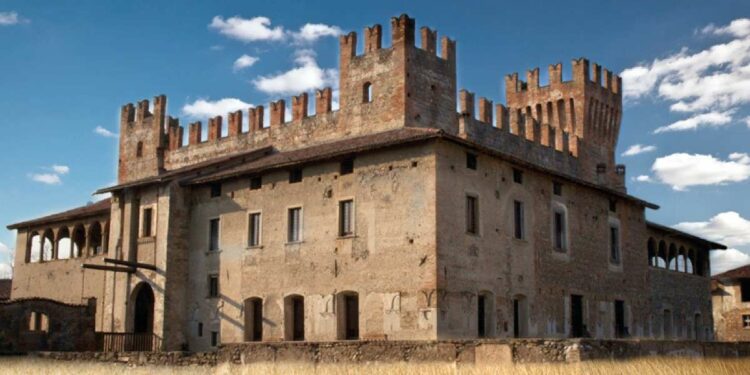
(143, 312)
(253, 319)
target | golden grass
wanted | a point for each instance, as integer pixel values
(645, 366)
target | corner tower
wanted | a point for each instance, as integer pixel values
(142, 140)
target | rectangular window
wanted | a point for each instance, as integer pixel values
(215, 190)
(560, 237)
(213, 235)
(253, 237)
(557, 188)
(471, 161)
(614, 244)
(746, 321)
(295, 224)
(256, 183)
(518, 220)
(517, 176)
(346, 226)
(213, 286)
(472, 215)
(200, 329)
(295, 175)
(148, 215)
(745, 290)
(346, 167)
(214, 338)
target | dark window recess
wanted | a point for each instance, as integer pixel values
(613, 205)
(517, 176)
(614, 244)
(560, 231)
(148, 215)
(214, 338)
(472, 225)
(254, 230)
(256, 183)
(213, 285)
(346, 209)
(471, 161)
(200, 329)
(295, 175)
(745, 290)
(556, 188)
(518, 220)
(620, 329)
(213, 235)
(346, 167)
(293, 232)
(215, 190)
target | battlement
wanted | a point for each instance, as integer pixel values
(582, 73)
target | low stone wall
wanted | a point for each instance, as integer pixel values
(66, 327)
(460, 352)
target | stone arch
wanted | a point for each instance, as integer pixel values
(48, 244)
(34, 248)
(681, 262)
(96, 238)
(253, 308)
(142, 299)
(64, 244)
(79, 241)
(651, 245)
(672, 257)
(662, 255)
(690, 261)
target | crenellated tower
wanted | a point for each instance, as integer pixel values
(142, 139)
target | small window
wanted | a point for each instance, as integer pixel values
(200, 329)
(213, 286)
(557, 188)
(614, 244)
(346, 167)
(214, 338)
(746, 321)
(295, 224)
(471, 161)
(745, 290)
(472, 215)
(139, 150)
(613, 205)
(148, 214)
(346, 210)
(295, 175)
(560, 231)
(215, 190)
(367, 92)
(518, 220)
(256, 183)
(253, 237)
(213, 235)
(517, 176)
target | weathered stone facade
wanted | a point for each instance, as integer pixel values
(730, 294)
(391, 218)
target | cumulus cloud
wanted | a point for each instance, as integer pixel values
(203, 108)
(638, 149)
(682, 170)
(60, 169)
(710, 119)
(722, 261)
(105, 132)
(311, 32)
(46, 178)
(305, 77)
(643, 178)
(11, 18)
(728, 228)
(708, 82)
(247, 30)
(244, 61)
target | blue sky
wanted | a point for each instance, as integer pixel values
(67, 68)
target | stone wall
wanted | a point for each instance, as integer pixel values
(729, 311)
(59, 326)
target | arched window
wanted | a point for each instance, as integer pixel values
(48, 241)
(672, 257)
(367, 92)
(681, 260)
(64, 249)
(34, 250)
(79, 241)
(662, 256)
(95, 239)
(652, 259)
(690, 262)
(253, 319)
(139, 150)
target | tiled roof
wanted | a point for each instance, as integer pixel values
(737, 273)
(88, 210)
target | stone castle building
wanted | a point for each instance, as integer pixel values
(730, 292)
(393, 217)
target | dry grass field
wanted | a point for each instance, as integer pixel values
(646, 366)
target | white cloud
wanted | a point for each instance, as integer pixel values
(305, 77)
(311, 32)
(638, 149)
(4, 250)
(105, 132)
(643, 178)
(739, 28)
(60, 169)
(728, 228)
(728, 259)
(11, 18)
(247, 30)
(6, 271)
(202, 108)
(710, 119)
(682, 170)
(747, 121)
(46, 178)
(244, 61)
(216, 47)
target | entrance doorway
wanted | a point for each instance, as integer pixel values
(520, 316)
(143, 312)
(620, 330)
(253, 319)
(576, 315)
(481, 318)
(294, 315)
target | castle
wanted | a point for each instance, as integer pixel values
(391, 218)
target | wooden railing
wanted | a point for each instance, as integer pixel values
(128, 342)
